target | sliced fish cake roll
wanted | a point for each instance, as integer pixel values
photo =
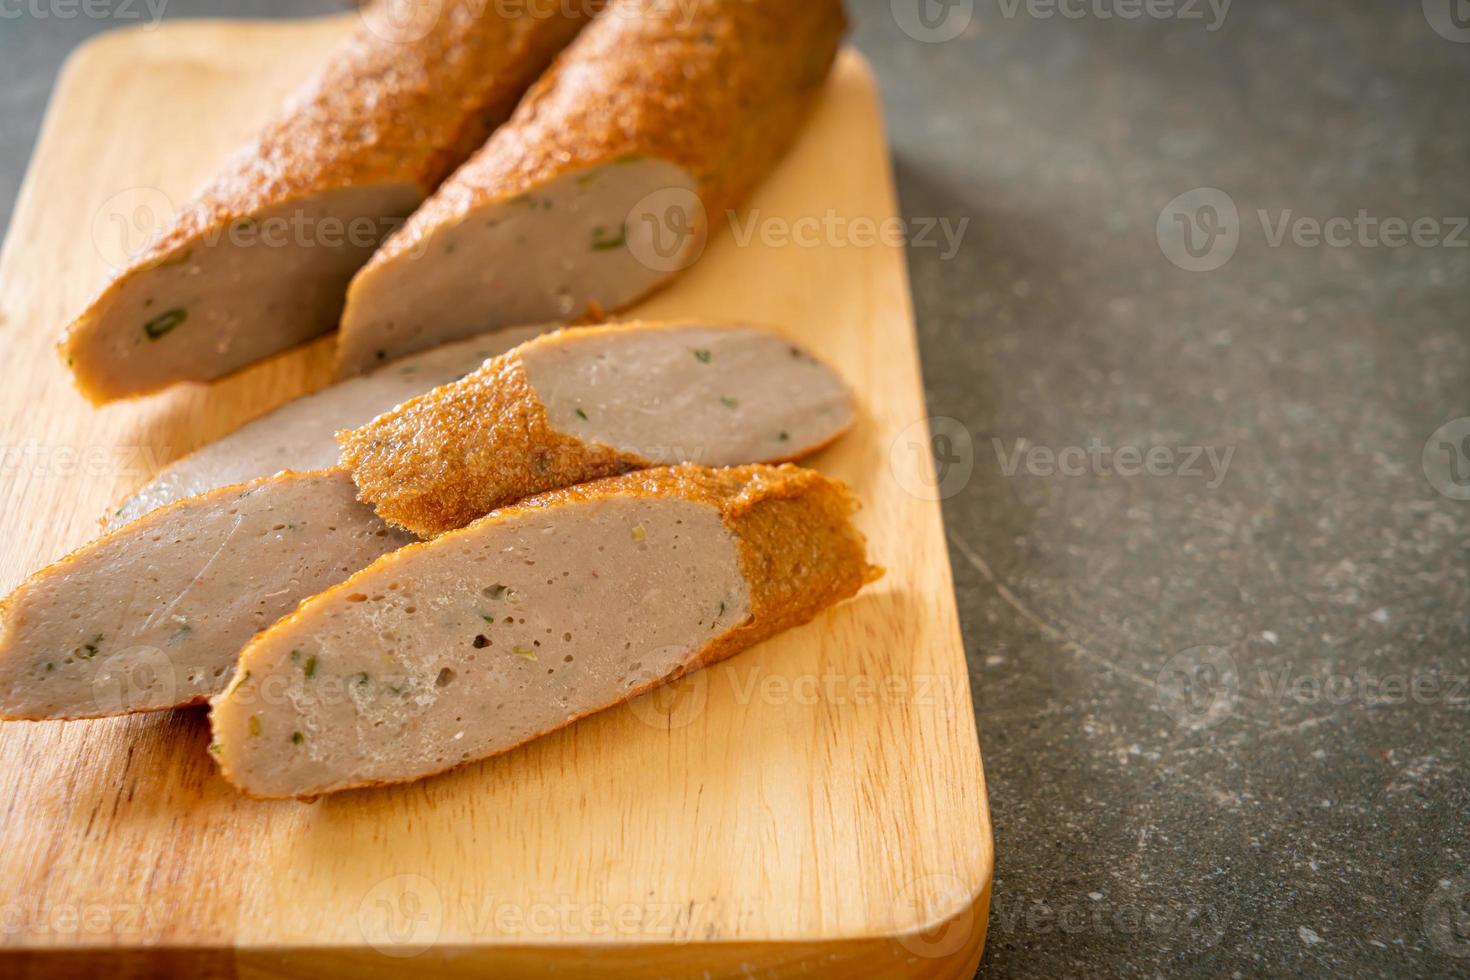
(153, 615)
(589, 403)
(535, 616)
(301, 435)
(605, 182)
(260, 259)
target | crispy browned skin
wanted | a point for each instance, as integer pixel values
(720, 87)
(467, 475)
(798, 548)
(799, 552)
(386, 108)
(451, 455)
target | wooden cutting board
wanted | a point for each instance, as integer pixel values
(814, 806)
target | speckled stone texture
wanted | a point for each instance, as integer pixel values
(1280, 804)
(1196, 695)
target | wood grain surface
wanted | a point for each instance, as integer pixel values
(815, 806)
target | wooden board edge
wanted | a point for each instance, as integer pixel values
(981, 888)
(949, 950)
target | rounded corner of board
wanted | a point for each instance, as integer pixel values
(98, 47)
(854, 67)
(952, 943)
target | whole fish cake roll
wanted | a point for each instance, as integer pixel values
(259, 260)
(589, 403)
(603, 185)
(542, 613)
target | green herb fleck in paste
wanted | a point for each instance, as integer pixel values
(164, 322)
(602, 243)
(581, 415)
(254, 725)
(729, 402)
(297, 738)
(704, 356)
(309, 668)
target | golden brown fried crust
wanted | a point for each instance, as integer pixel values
(799, 554)
(427, 466)
(386, 108)
(798, 548)
(719, 87)
(452, 455)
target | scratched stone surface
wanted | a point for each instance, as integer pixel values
(1195, 685)
(1192, 298)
